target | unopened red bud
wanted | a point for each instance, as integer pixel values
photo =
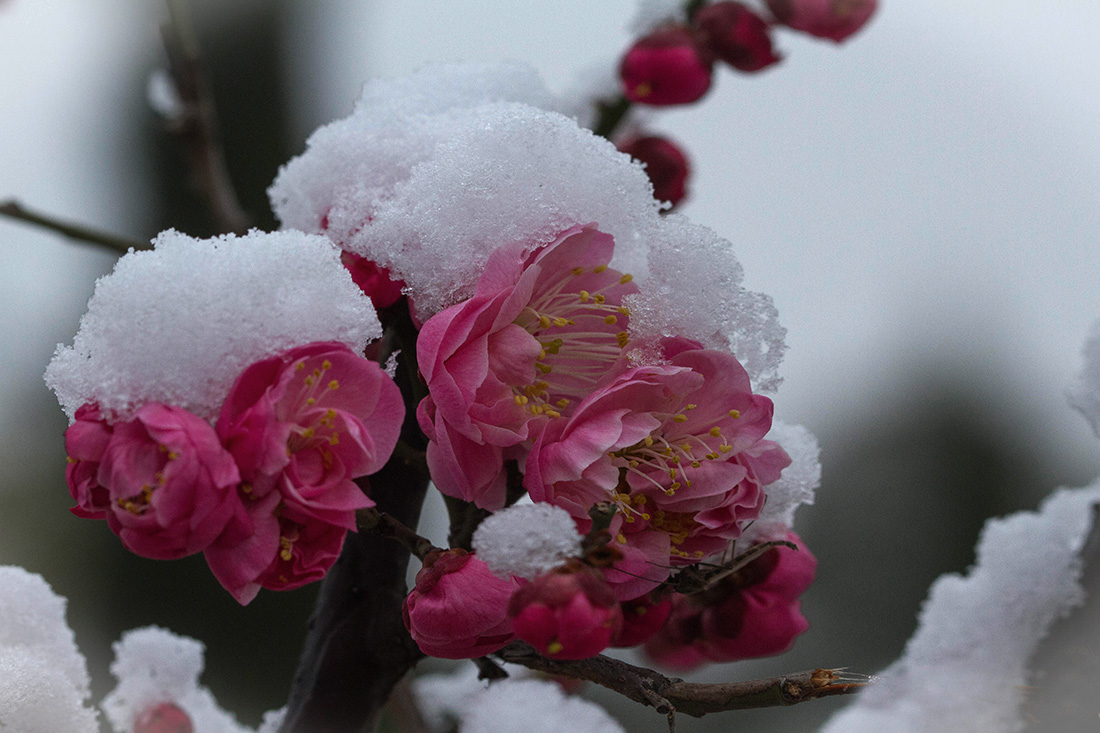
(736, 35)
(163, 718)
(832, 19)
(665, 68)
(665, 164)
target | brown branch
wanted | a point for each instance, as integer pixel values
(197, 125)
(382, 524)
(15, 210)
(669, 695)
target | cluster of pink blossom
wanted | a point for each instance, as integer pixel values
(267, 492)
(537, 367)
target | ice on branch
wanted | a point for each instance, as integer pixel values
(44, 681)
(205, 310)
(534, 706)
(966, 666)
(527, 540)
(155, 666)
(793, 489)
(1084, 394)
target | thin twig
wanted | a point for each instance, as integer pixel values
(197, 125)
(372, 520)
(15, 210)
(668, 695)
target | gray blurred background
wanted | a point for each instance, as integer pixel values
(921, 202)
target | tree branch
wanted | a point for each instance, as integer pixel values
(669, 695)
(15, 210)
(383, 525)
(197, 126)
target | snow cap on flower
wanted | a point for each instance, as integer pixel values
(534, 706)
(793, 489)
(824, 18)
(153, 666)
(665, 68)
(1084, 393)
(527, 540)
(178, 324)
(44, 681)
(458, 608)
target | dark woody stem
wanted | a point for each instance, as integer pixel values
(15, 210)
(372, 520)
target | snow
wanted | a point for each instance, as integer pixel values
(793, 489)
(43, 677)
(527, 541)
(534, 706)
(154, 665)
(1084, 394)
(653, 14)
(179, 323)
(966, 666)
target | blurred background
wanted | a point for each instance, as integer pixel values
(921, 202)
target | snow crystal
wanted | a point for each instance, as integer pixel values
(694, 290)
(179, 323)
(43, 676)
(1084, 394)
(527, 541)
(442, 699)
(154, 665)
(653, 14)
(533, 706)
(793, 489)
(966, 666)
(427, 180)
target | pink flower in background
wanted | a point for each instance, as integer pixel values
(678, 448)
(665, 68)
(752, 613)
(85, 441)
(832, 19)
(568, 613)
(458, 608)
(171, 484)
(642, 618)
(736, 35)
(543, 328)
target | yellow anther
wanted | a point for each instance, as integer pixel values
(725, 448)
(690, 406)
(307, 433)
(552, 413)
(585, 295)
(544, 368)
(326, 365)
(695, 464)
(559, 321)
(675, 460)
(520, 400)
(672, 487)
(334, 439)
(609, 320)
(622, 338)
(645, 516)
(562, 402)
(310, 401)
(641, 499)
(685, 447)
(544, 321)
(70, 459)
(599, 268)
(554, 647)
(735, 414)
(246, 488)
(680, 418)
(542, 386)
(599, 299)
(334, 384)
(299, 366)
(629, 519)
(536, 409)
(626, 278)
(621, 538)
(624, 310)
(712, 456)
(309, 381)
(672, 472)
(317, 373)
(698, 553)
(173, 455)
(632, 464)
(577, 271)
(716, 431)
(648, 440)
(330, 414)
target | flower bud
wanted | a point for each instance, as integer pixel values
(736, 35)
(458, 608)
(163, 718)
(569, 613)
(665, 68)
(832, 19)
(665, 164)
(642, 618)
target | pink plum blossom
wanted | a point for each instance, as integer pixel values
(665, 68)
(163, 481)
(678, 448)
(832, 19)
(373, 279)
(85, 441)
(752, 613)
(458, 608)
(568, 613)
(545, 326)
(302, 426)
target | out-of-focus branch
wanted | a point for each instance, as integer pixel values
(372, 520)
(197, 125)
(15, 210)
(670, 696)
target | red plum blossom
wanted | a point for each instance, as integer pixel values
(665, 164)
(678, 448)
(752, 613)
(544, 327)
(163, 481)
(832, 19)
(665, 68)
(458, 608)
(732, 33)
(642, 618)
(568, 613)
